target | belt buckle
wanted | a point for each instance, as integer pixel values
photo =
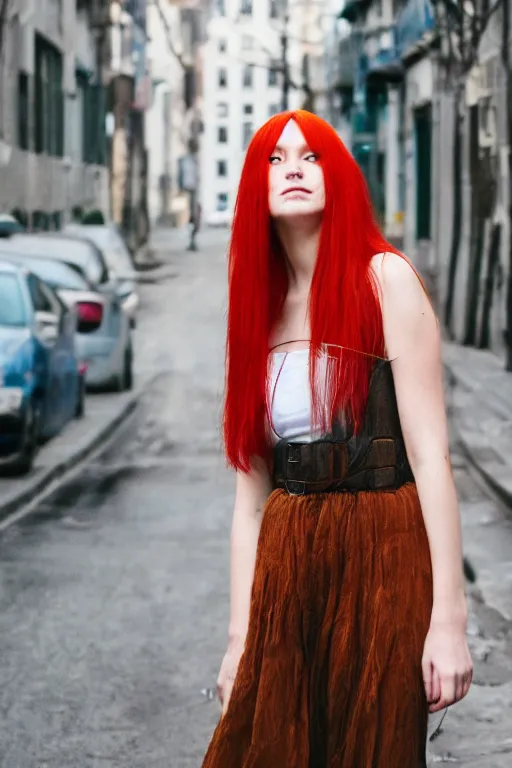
(293, 453)
(290, 484)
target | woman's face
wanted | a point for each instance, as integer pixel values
(296, 179)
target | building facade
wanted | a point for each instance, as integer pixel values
(248, 43)
(173, 123)
(129, 96)
(52, 138)
(429, 128)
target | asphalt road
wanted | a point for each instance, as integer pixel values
(114, 592)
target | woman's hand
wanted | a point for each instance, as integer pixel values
(447, 665)
(227, 673)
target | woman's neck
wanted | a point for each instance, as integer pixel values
(300, 244)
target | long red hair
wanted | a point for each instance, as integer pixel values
(344, 307)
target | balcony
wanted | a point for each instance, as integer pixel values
(415, 21)
(385, 67)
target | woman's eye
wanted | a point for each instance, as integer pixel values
(274, 160)
(311, 158)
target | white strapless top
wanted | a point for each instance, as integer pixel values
(290, 396)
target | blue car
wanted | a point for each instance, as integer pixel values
(41, 386)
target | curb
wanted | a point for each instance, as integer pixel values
(37, 485)
(503, 492)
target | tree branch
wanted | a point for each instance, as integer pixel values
(490, 13)
(168, 33)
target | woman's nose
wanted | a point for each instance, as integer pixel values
(294, 173)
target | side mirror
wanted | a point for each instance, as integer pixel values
(47, 326)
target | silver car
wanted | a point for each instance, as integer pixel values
(110, 242)
(77, 271)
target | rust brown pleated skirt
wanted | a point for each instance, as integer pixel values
(331, 673)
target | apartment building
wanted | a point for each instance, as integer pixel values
(242, 60)
(52, 110)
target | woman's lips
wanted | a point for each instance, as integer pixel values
(297, 190)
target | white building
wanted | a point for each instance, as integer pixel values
(166, 120)
(242, 88)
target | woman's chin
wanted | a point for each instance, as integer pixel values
(296, 209)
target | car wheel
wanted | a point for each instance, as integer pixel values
(128, 369)
(24, 462)
(124, 380)
(80, 403)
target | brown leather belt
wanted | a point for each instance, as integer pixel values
(326, 465)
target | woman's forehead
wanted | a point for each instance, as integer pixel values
(291, 136)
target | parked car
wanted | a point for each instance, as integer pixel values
(40, 387)
(109, 240)
(9, 225)
(83, 280)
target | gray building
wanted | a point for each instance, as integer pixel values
(52, 109)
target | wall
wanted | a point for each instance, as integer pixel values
(491, 85)
(419, 91)
(29, 181)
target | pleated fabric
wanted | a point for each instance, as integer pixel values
(331, 673)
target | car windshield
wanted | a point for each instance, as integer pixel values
(12, 308)
(58, 275)
(69, 250)
(112, 244)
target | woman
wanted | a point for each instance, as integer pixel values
(348, 613)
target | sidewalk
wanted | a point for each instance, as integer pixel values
(479, 397)
(77, 441)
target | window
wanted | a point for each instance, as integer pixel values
(273, 10)
(23, 111)
(12, 309)
(40, 300)
(222, 201)
(223, 77)
(220, 7)
(248, 76)
(57, 274)
(91, 114)
(272, 76)
(222, 167)
(248, 109)
(223, 45)
(246, 7)
(222, 109)
(222, 134)
(247, 131)
(49, 99)
(273, 109)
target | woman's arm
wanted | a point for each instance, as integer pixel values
(413, 344)
(252, 491)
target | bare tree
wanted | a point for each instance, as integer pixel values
(461, 25)
(505, 60)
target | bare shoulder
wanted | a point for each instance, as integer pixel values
(399, 285)
(408, 315)
(395, 272)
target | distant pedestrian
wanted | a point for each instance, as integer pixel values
(348, 613)
(195, 224)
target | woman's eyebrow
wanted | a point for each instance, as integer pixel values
(302, 149)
